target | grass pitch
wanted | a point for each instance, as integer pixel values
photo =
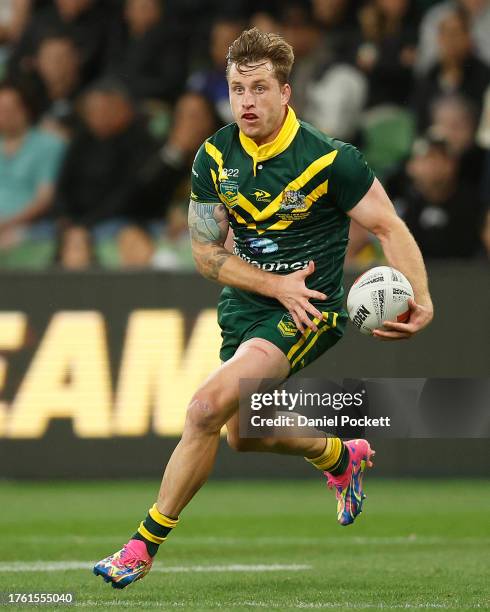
(256, 545)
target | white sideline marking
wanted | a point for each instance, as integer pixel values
(277, 540)
(57, 566)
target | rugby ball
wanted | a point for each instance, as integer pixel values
(380, 294)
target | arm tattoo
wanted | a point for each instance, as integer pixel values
(208, 226)
(208, 222)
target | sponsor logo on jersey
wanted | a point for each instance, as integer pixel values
(229, 191)
(261, 196)
(259, 246)
(272, 266)
(287, 326)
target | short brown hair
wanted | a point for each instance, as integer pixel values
(254, 47)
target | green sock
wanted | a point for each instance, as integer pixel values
(154, 530)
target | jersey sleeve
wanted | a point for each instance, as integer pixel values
(202, 185)
(351, 177)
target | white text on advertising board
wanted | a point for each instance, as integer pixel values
(69, 375)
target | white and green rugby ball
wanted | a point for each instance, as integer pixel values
(380, 294)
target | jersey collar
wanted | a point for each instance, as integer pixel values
(280, 143)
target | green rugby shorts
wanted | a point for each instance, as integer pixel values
(240, 321)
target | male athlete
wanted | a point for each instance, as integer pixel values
(288, 193)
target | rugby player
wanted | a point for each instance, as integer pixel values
(288, 192)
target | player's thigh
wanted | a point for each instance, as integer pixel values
(255, 360)
(264, 360)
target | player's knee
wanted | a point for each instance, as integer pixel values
(205, 413)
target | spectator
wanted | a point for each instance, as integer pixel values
(265, 22)
(311, 51)
(457, 71)
(211, 83)
(75, 249)
(136, 247)
(444, 214)
(478, 12)
(85, 21)
(58, 69)
(454, 119)
(148, 53)
(174, 250)
(338, 20)
(387, 51)
(193, 121)
(29, 164)
(13, 17)
(483, 140)
(328, 93)
(101, 177)
(485, 235)
(171, 250)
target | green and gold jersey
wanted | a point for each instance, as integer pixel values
(286, 200)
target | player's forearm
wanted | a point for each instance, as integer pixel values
(403, 253)
(218, 264)
(209, 228)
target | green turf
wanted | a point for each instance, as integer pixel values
(419, 544)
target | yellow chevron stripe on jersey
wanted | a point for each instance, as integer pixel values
(214, 176)
(238, 217)
(311, 198)
(296, 184)
(216, 154)
(280, 143)
(241, 220)
(257, 215)
(248, 206)
(299, 182)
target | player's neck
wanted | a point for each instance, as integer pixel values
(273, 135)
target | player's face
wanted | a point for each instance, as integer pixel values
(258, 101)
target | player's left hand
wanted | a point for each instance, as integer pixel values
(420, 317)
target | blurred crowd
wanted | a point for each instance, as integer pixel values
(103, 104)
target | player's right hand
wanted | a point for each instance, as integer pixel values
(294, 295)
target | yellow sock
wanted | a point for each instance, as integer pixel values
(330, 456)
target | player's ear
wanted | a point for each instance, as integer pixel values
(285, 93)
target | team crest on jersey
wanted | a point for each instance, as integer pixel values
(229, 191)
(287, 326)
(294, 206)
(293, 200)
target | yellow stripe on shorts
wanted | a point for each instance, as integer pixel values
(311, 337)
